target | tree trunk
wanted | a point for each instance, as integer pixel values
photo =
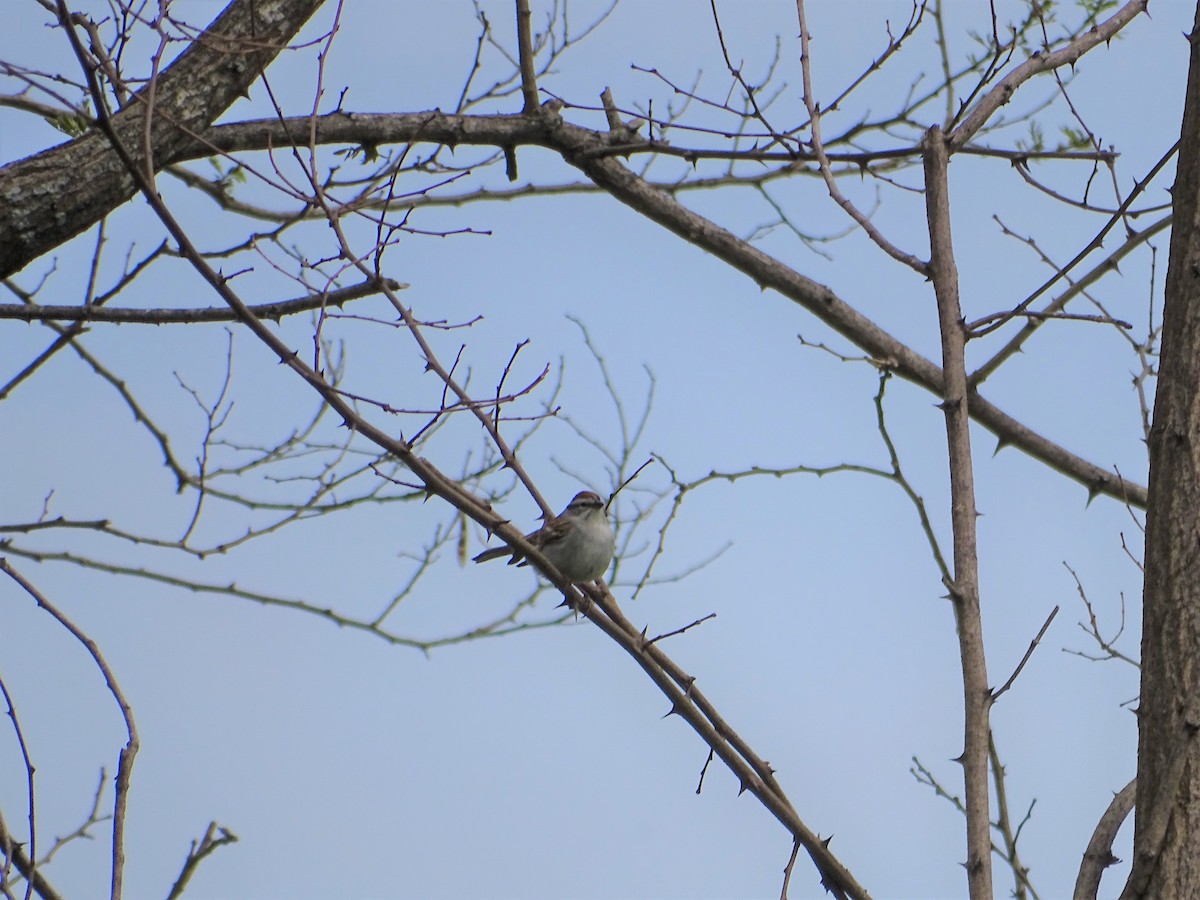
(1167, 830)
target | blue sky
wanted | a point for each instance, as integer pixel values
(540, 764)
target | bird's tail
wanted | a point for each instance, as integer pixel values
(496, 553)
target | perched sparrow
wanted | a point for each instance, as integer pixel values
(579, 542)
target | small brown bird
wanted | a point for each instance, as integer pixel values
(579, 542)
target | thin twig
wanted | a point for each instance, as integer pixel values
(787, 870)
(704, 770)
(1028, 653)
(668, 634)
(128, 752)
(814, 114)
(207, 845)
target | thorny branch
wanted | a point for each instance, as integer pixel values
(964, 586)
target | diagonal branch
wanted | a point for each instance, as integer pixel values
(26, 866)
(1099, 855)
(814, 117)
(1040, 62)
(835, 312)
(754, 773)
(216, 70)
(206, 846)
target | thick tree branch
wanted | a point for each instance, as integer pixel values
(44, 202)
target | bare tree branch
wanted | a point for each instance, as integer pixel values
(999, 95)
(1099, 855)
(211, 74)
(270, 311)
(128, 752)
(964, 589)
(206, 846)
